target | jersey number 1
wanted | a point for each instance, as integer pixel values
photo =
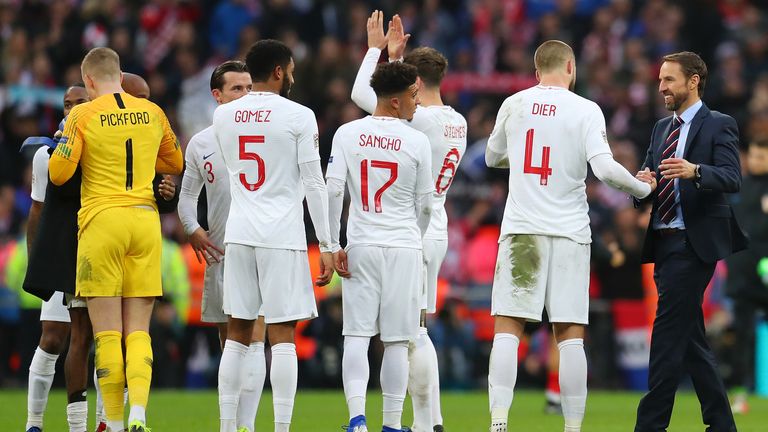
(246, 155)
(391, 166)
(544, 171)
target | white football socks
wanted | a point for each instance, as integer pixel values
(41, 371)
(253, 373)
(284, 378)
(394, 382)
(422, 373)
(355, 372)
(229, 383)
(502, 374)
(77, 416)
(573, 382)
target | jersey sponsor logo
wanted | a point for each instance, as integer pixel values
(316, 137)
(247, 116)
(382, 142)
(207, 156)
(124, 118)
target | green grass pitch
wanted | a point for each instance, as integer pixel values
(326, 411)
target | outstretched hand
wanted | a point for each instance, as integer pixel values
(397, 39)
(647, 176)
(375, 27)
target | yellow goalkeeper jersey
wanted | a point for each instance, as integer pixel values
(120, 142)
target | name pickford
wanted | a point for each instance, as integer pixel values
(124, 118)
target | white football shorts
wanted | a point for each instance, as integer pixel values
(275, 283)
(538, 271)
(383, 294)
(54, 309)
(434, 253)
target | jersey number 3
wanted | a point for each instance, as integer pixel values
(544, 171)
(391, 166)
(246, 155)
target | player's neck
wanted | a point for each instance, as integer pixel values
(264, 87)
(385, 111)
(555, 80)
(430, 97)
(107, 88)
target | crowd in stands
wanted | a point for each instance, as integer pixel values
(175, 44)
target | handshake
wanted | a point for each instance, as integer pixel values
(647, 176)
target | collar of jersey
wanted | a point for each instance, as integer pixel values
(262, 93)
(543, 87)
(383, 118)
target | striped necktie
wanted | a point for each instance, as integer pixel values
(667, 198)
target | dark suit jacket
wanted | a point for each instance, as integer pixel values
(712, 142)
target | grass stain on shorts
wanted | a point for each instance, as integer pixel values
(525, 260)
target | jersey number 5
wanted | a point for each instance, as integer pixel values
(391, 166)
(544, 171)
(246, 155)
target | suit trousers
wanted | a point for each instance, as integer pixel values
(678, 343)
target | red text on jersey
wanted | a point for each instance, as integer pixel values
(547, 110)
(247, 116)
(382, 142)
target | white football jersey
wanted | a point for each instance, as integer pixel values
(549, 135)
(447, 133)
(385, 164)
(205, 168)
(263, 138)
(40, 174)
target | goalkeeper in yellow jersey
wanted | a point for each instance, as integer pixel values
(119, 141)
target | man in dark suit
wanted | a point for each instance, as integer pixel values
(694, 154)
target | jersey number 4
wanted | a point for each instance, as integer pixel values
(391, 166)
(246, 155)
(544, 171)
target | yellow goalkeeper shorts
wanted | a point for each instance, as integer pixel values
(118, 254)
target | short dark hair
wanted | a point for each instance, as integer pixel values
(691, 64)
(392, 78)
(431, 65)
(264, 56)
(217, 77)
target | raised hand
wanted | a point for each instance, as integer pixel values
(375, 27)
(397, 39)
